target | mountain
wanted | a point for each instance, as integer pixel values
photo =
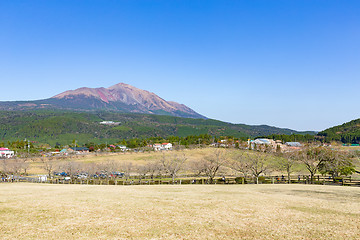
(76, 114)
(347, 133)
(120, 98)
(47, 126)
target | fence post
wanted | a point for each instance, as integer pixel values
(273, 181)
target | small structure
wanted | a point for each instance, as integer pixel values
(167, 146)
(123, 148)
(157, 147)
(293, 144)
(6, 153)
(78, 150)
(162, 146)
(64, 152)
(42, 178)
(262, 141)
(111, 123)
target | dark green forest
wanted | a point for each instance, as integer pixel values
(62, 127)
(347, 133)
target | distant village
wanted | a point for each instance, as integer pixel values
(257, 144)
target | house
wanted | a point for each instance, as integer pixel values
(162, 146)
(157, 146)
(167, 146)
(123, 148)
(6, 153)
(78, 150)
(262, 141)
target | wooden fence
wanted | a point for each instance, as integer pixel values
(318, 179)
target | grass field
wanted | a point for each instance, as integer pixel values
(41, 211)
(139, 158)
(128, 157)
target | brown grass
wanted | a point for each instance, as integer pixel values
(40, 211)
(134, 158)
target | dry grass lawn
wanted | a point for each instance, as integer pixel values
(128, 157)
(41, 211)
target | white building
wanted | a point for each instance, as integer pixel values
(6, 153)
(163, 146)
(157, 147)
(123, 148)
(167, 146)
(42, 178)
(110, 123)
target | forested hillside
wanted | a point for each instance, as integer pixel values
(62, 127)
(347, 133)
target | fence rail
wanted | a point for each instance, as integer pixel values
(323, 180)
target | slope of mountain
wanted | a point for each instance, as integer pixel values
(63, 126)
(120, 97)
(347, 133)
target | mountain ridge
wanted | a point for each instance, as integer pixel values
(348, 132)
(120, 97)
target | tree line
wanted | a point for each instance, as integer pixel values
(218, 162)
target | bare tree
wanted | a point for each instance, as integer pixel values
(150, 168)
(313, 158)
(197, 167)
(127, 168)
(4, 165)
(336, 163)
(109, 167)
(211, 164)
(48, 164)
(172, 164)
(286, 161)
(258, 163)
(25, 165)
(15, 166)
(153, 168)
(142, 170)
(91, 169)
(69, 167)
(239, 163)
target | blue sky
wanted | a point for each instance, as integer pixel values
(293, 64)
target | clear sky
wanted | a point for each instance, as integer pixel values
(285, 63)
